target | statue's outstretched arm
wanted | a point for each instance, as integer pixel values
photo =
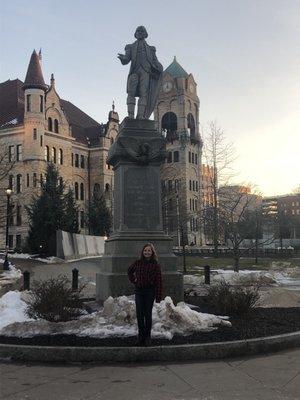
(125, 58)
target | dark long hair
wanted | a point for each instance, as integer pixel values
(153, 257)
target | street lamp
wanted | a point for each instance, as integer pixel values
(8, 194)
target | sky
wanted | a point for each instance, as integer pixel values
(243, 54)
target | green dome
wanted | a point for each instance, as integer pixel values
(176, 70)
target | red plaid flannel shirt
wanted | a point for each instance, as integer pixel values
(143, 274)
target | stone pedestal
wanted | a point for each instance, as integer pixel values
(136, 156)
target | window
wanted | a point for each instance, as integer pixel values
(53, 155)
(18, 241)
(169, 158)
(72, 160)
(47, 155)
(190, 184)
(170, 186)
(41, 103)
(189, 156)
(41, 140)
(107, 166)
(76, 160)
(190, 204)
(28, 102)
(81, 219)
(81, 191)
(193, 159)
(34, 180)
(196, 186)
(41, 179)
(76, 190)
(50, 127)
(96, 188)
(107, 187)
(60, 157)
(34, 134)
(19, 152)
(176, 184)
(19, 183)
(169, 126)
(82, 161)
(19, 216)
(10, 241)
(176, 156)
(11, 182)
(293, 212)
(56, 126)
(170, 205)
(196, 158)
(11, 153)
(27, 180)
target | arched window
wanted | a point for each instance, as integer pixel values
(96, 189)
(107, 187)
(76, 190)
(81, 191)
(56, 126)
(19, 183)
(53, 155)
(191, 126)
(60, 157)
(34, 180)
(11, 182)
(169, 158)
(50, 126)
(47, 154)
(176, 156)
(171, 204)
(169, 124)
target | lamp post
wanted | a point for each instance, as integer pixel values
(6, 263)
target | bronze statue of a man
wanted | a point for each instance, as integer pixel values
(145, 75)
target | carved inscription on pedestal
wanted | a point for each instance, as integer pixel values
(141, 198)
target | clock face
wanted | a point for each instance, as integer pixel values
(191, 87)
(167, 86)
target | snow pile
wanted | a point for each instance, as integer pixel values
(12, 308)
(116, 318)
(9, 279)
(243, 277)
(25, 256)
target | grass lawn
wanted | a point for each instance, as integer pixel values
(227, 263)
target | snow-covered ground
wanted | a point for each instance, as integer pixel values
(9, 279)
(116, 318)
(25, 256)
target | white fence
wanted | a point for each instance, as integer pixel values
(71, 246)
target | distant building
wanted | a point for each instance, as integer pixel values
(36, 127)
(282, 219)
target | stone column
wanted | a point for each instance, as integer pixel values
(136, 156)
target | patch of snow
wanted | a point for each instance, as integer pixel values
(47, 260)
(12, 309)
(116, 318)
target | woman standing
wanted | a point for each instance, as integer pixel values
(145, 274)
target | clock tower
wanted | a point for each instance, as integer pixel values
(177, 117)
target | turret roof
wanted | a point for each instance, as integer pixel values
(176, 70)
(34, 77)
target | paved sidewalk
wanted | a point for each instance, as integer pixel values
(265, 377)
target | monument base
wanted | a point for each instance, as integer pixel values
(136, 156)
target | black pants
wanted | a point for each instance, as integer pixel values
(144, 299)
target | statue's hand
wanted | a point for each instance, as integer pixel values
(121, 57)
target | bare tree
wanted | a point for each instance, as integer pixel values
(219, 154)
